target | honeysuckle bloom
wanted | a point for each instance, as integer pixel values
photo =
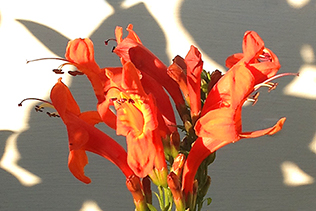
(131, 49)
(220, 121)
(80, 53)
(83, 136)
(137, 120)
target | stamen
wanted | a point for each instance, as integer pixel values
(131, 101)
(254, 98)
(113, 99)
(58, 71)
(75, 73)
(39, 108)
(52, 114)
(41, 100)
(270, 85)
(273, 86)
(34, 60)
(106, 42)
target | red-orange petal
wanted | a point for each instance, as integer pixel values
(77, 160)
(268, 131)
(63, 100)
(252, 45)
(194, 65)
(80, 51)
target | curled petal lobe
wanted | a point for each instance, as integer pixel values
(268, 131)
(252, 45)
(63, 100)
(77, 160)
(118, 34)
(80, 51)
(132, 35)
(233, 59)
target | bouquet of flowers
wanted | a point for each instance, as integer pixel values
(134, 100)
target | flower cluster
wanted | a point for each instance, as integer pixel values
(133, 99)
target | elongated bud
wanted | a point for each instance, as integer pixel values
(174, 144)
(147, 189)
(178, 164)
(134, 186)
(195, 192)
(215, 76)
(175, 187)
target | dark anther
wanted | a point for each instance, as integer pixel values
(113, 48)
(75, 73)
(38, 108)
(58, 71)
(52, 114)
(20, 104)
(273, 86)
(113, 99)
(123, 100)
(131, 101)
(255, 98)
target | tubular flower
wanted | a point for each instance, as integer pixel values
(131, 49)
(220, 121)
(80, 53)
(83, 136)
(137, 120)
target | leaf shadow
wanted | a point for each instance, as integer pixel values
(49, 37)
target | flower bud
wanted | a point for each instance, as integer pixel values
(175, 187)
(178, 164)
(134, 186)
(147, 189)
(174, 144)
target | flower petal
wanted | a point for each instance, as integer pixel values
(63, 100)
(202, 148)
(252, 46)
(91, 117)
(145, 61)
(194, 65)
(80, 53)
(218, 124)
(268, 131)
(77, 160)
